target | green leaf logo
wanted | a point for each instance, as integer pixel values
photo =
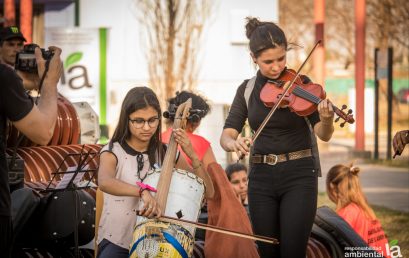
(72, 59)
(393, 242)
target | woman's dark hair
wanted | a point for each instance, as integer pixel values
(233, 168)
(139, 98)
(199, 104)
(264, 35)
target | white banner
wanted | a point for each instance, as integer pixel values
(81, 57)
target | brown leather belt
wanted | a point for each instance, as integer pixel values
(272, 159)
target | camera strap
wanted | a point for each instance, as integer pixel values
(47, 65)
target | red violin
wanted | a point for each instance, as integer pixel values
(302, 98)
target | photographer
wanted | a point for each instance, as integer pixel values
(11, 42)
(35, 121)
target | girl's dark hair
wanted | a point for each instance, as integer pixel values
(136, 99)
(233, 168)
(264, 35)
(198, 103)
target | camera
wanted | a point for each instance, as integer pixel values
(26, 60)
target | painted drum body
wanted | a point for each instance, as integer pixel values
(154, 238)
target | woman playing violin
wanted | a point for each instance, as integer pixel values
(134, 149)
(282, 188)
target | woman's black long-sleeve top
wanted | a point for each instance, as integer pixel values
(285, 131)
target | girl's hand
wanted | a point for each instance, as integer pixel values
(151, 207)
(241, 145)
(183, 140)
(326, 112)
(400, 140)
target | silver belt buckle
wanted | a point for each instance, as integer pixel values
(270, 163)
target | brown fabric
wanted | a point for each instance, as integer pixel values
(225, 211)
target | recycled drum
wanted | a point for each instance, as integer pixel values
(153, 238)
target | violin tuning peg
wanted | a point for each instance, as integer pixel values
(349, 111)
(342, 124)
(336, 119)
(344, 107)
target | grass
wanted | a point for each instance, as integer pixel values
(394, 223)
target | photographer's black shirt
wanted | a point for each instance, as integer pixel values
(15, 104)
(285, 131)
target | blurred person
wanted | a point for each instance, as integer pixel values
(283, 181)
(135, 149)
(399, 141)
(344, 189)
(237, 175)
(36, 121)
(11, 42)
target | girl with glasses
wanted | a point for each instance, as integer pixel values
(135, 148)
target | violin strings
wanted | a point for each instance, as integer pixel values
(306, 95)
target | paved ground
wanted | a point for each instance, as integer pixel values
(383, 185)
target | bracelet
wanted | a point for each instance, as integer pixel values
(141, 191)
(326, 123)
(200, 164)
(143, 187)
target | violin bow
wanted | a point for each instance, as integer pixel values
(269, 240)
(287, 87)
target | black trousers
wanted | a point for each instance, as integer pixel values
(283, 203)
(6, 233)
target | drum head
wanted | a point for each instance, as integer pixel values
(59, 221)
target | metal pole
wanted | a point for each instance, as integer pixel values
(77, 13)
(390, 95)
(376, 105)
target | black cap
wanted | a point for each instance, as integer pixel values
(11, 32)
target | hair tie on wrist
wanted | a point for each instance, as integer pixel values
(141, 191)
(143, 187)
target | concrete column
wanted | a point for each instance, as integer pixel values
(360, 74)
(26, 19)
(319, 54)
(9, 13)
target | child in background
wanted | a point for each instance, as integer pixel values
(344, 189)
(237, 175)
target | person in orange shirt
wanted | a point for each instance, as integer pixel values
(200, 108)
(344, 189)
(224, 209)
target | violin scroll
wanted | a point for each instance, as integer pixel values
(347, 117)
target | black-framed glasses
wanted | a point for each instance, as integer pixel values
(140, 122)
